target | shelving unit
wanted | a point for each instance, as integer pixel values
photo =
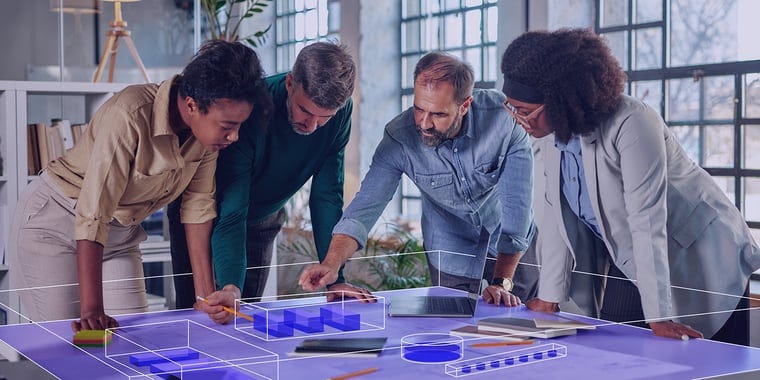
(27, 102)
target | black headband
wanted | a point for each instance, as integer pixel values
(522, 92)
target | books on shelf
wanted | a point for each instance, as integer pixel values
(344, 347)
(534, 328)
(46, 143)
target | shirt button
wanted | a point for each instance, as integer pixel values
(166, 191)
(462, 179)
(173, 171)
(432, 183)
(468, 200)
(493, 175)
(456, 150)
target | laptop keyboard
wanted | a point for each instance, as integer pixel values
(448, 304)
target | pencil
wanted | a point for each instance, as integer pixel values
(498, 344)
(229, 310)
(354, 374)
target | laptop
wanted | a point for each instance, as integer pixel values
(454, 306)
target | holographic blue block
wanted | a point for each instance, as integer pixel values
(336, 318)
(149, 358)
(277, 329)
(304, 321)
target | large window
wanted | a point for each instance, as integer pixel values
(697, 63)
(300, 22)
(464, 28)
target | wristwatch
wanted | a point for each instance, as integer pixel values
(505, 283)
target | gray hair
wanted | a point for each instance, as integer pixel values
(436, 67)
(327, 73)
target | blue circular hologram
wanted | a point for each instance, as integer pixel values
(523, 358)
(480, 366)
(552, 353)
(431, 348)
(538, 355)
(495, 364)
(466, 369)
(509, 361)
(432, 353)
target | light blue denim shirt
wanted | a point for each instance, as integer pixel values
(574, 182)
(477, 184)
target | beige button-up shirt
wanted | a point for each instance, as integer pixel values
(128, 164)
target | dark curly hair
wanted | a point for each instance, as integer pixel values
(226, 70)
(575, 71)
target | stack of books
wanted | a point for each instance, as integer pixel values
(506, 328)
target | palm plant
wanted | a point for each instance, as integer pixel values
(225, 25)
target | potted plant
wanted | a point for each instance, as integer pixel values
(226, 16)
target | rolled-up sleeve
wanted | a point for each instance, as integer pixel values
(198, 203)
(516, 193)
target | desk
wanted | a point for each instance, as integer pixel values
(611, 351)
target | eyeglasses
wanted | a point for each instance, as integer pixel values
(523, 120)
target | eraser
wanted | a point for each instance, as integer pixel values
(93, 338)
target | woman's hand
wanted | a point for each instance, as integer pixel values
(94, 320)
(215, 302)
(675, 330)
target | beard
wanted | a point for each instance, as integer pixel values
(295, 126)
(436, 137)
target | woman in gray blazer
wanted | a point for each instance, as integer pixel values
(623, 200)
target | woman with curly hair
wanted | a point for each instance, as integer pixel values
(624, 200)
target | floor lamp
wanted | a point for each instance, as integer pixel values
(118, 31)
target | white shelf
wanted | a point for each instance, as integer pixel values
(61, 88)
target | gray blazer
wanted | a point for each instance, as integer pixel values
(665, 222)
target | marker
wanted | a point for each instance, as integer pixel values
(229, 310)
(499, 344)
(354, 374)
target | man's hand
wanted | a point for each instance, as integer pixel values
(215, 302)
(670, 329)
(317, 276)
(346, 290)
(537, 304)
(94, 320)
(496, 294)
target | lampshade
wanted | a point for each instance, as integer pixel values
(75, 6)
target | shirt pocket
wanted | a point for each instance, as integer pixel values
(487, 174)
(439, 187)
(143, 187)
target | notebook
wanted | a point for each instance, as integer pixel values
(346, 347)
(456, 306)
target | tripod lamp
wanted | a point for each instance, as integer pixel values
(118, 31)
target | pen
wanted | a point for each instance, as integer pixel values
(229, 310)
(354, 374)
(498, 344)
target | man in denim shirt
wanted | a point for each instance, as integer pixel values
(473, 167)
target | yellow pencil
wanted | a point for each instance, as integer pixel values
(229, 310)
(354, 374)
(498, 344)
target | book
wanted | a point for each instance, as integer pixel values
(32, 150)
(42, 145)
(342, 347)
(535, 328)
(473, 331)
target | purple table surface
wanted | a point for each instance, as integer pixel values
(610, 351)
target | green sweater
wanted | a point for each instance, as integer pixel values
(257, 176)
